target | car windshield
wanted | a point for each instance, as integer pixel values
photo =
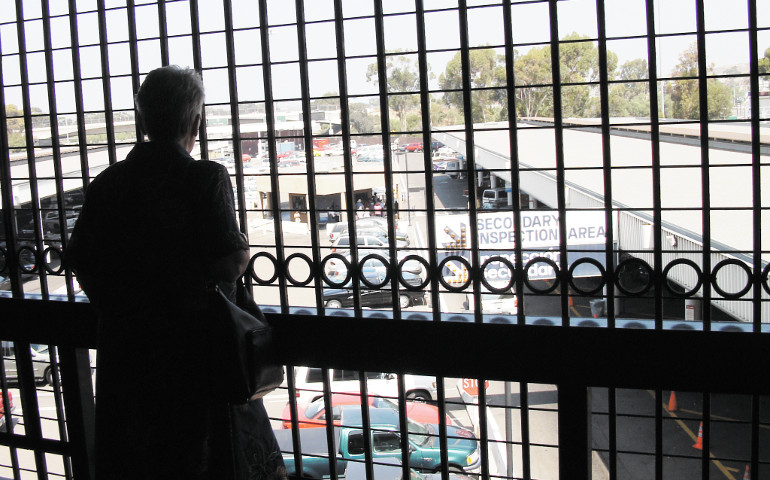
(418, 433)
(489, 194)
(312, 410)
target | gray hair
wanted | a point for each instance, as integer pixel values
(168, 101)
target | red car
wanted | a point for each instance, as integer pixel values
(414, 147)
(313, 415)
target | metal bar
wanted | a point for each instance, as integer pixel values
(198, 63)
(275, 196)
(79, 107)
(55, 146)
(470, 159)
(235, 116)
(514, 152)
(30, 406)
(78, 401)
(756, 169)
(330, 433)
(339, 29)
(309, 158)
(296, 442)
(705, 162)
(562, 275)
(163, 32)
(604, 98)
(106, 86)
(9, 210)
(30, 149)
(574, 431)
(382, 71)
(134, 59)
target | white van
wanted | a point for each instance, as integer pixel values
(494, 197)
(308, 382)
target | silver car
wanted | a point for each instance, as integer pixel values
(41, 362)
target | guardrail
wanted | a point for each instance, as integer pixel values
(617, 358)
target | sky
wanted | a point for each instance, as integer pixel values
(676, 18)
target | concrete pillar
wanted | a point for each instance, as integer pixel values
(509, 191)
(693, 309)
(479, 177)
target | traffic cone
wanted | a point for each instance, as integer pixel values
(699, 441)
(747, 474)
(672, 406)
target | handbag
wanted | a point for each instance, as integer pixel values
(248, 370)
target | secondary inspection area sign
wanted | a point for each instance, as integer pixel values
(540, 237)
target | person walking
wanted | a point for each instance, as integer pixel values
(156, 230)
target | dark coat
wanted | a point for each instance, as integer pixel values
(148, 226)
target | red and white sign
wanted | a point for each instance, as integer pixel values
(471, 386)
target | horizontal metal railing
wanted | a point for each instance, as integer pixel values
(617, 358)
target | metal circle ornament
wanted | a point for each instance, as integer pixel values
(253, 273)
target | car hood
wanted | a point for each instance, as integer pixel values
(458, 438)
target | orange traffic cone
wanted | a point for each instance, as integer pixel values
(699, 441)
(747, 475)
(672, 406)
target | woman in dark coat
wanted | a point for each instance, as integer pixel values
(155, 229)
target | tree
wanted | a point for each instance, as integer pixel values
(361, 121)
(402, 77)
(685, 96)
(533, 68)
(764, 62)
(632, 97)
(487, 70)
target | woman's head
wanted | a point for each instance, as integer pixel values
(169, 103)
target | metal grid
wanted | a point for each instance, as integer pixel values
(31, 258)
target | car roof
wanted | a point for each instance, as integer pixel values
(350, 415)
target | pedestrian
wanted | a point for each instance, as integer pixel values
(155, 230)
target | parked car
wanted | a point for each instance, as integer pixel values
(424, 449)
(505, 303)
(380, 297)
(41, 362)
(414, 147)
(366, 240)
(335, 268)
(308, 382)
(313, 415)
(369, 225)
(3, 425)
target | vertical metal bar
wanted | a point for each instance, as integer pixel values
(430, 198)
(514, 155)
(295, 429)
(78, 84)
(705, 163)
(756, 169)
(612, 411)
(78, 401)
(107, 87)
(9, 416)
(330, 432)
(55, 145)
(235, 115)
(382, 70)
(275, 195)
(30, 406)
(483, 429)
(563, 274)
(403, 428)
(705, 457)
(366, 427)
(8, 210)
(133, 54)
(198, 63)
(574, 432)
(309, 159)
(430, 205)
(604, 99)
(30, 148)
(526, 464)
(339, 28)
(163, 32)
(470, 158)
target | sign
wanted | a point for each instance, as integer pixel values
(471, 386)
(540, 237)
